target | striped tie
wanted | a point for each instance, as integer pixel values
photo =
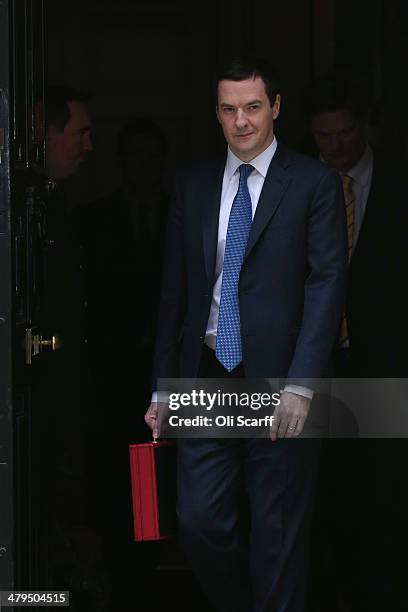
(349, 200)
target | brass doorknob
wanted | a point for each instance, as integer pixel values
(35, 343)
(54, 343)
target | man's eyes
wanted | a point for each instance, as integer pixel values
(347, 131)
(340, 133)
(232, 109)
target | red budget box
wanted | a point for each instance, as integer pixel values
(153, 479)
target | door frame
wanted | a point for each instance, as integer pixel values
(6, 402)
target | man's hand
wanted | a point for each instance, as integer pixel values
(289, 416)
(154, 417)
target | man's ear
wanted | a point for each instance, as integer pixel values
(217, 113)
(276, 106)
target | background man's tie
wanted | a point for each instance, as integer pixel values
(349, 200)
(228, 346)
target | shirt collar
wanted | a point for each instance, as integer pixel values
(260, 163)
(361, 171)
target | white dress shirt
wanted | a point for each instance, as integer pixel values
(230, 185)
(361, 174)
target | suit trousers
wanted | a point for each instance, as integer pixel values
(244, 509)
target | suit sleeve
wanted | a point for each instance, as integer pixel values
(325, 285)
(173, 295)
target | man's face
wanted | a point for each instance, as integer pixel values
(340, 138)
(246, 116)
(66, 149)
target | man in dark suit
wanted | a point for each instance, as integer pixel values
(253, 286)
(62, 375)
(120, 233)
(372, 344)
(122, 238)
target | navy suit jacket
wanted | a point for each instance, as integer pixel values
(293, 279)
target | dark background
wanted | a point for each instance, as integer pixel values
(155, 58)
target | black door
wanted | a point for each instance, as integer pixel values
(24, 503)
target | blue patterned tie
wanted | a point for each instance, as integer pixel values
(228, 347)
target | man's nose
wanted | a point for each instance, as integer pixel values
(88, 144)
(335, 143)
(241, 120)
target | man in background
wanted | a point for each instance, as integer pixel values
(361, 477)
(63, 383)
(68, 131)
(122, 237)
(373, 334)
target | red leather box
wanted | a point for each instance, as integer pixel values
(153, 477)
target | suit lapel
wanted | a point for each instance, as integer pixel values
(275, 185)
(211, 200)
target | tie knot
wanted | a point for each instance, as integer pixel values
(245, 170)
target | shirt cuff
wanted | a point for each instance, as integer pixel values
(299, 391)
(159, 397)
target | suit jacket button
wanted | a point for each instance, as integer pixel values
(201, 337)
